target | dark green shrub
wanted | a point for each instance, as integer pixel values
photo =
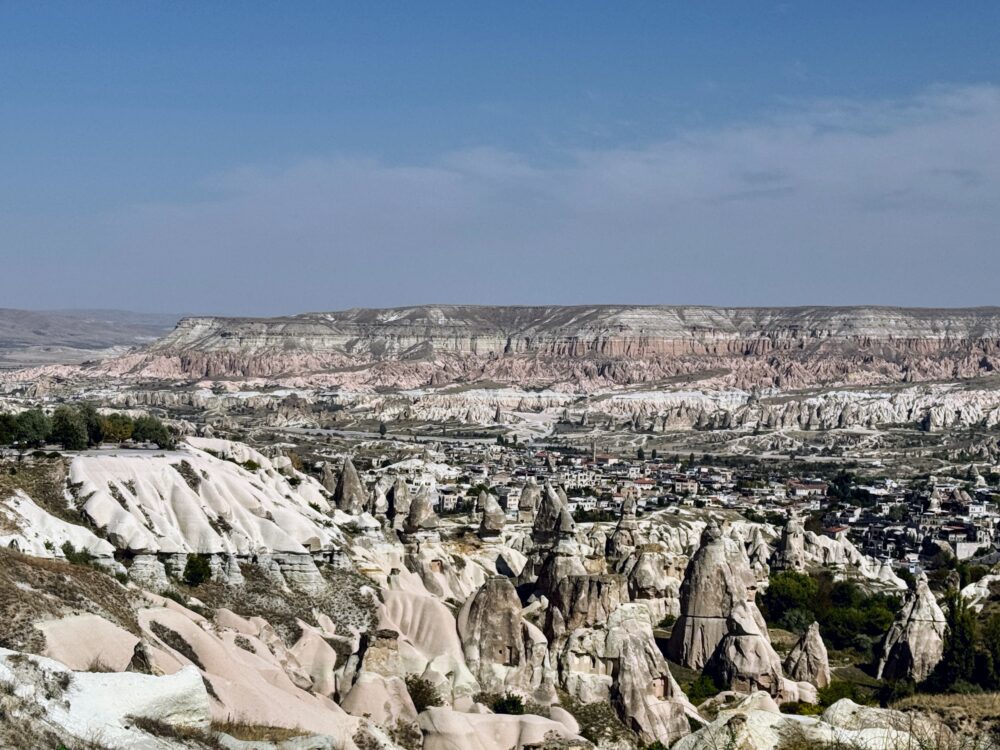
(75, 556)
(508, 703)
(197, 570)
(423, 694)
(798, 708)
(702, 689)
(840, 689)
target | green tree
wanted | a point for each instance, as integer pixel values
(116, 428)
(8, 428)
(152, 430)
(68, 429)
(382, 429)
(988, 666)
(789, 591)
(31, 428)
(94, 423)
(508, 703)
(641, 454)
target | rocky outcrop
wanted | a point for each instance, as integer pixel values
(745, 661)
(493, 518)
(421, 516)
(350, 495)
(444, 729)
(582, 601)
(654, 579)
(790, 553)
(808, 660)
(716, 581)
(755, 723)
(203, 499)
(528, 502)
(626, 537)
(83, 705)
(553, 519)
(328, 478)
(504, 652)
(788, 347)
(915, 641)
(618, 661)
(720, 628)
(399, 503)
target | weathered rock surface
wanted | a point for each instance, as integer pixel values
(790, 347)
(421, 516)
(504, 652)
(808, 660)
(350, 495)
(755, 723)
(618, 661)
(717, 580)
(583, 601)
(493, 519)
(915, 641)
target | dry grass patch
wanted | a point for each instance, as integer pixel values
(34, 589)
(256, 732)
(191, 737)
(974, 713)
(44, 481)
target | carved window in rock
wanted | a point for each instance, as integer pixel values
(660, 688)
(505, 656)
(437, 566)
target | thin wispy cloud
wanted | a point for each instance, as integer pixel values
(830, 202)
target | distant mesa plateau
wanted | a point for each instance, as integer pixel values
(750, 375)
(586, 346)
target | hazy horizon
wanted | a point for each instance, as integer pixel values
(253, 161)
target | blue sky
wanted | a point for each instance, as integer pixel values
(261, 158)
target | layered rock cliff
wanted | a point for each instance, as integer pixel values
(784, 347)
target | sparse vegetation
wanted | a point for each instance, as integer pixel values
(423, 694)
(197, 570)
(174, 640)
(849, 618)
(190, 736)
(598, 721)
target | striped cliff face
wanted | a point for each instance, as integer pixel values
(585, 346)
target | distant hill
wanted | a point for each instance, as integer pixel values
(34, 337)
